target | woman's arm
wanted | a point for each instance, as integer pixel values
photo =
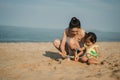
(63, 42)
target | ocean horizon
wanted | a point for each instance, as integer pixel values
(26, 34)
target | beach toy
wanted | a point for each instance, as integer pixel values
(76, 50)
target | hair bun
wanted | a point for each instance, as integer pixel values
(74, 23)
(74, 18)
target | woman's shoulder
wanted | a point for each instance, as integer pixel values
(81, 32)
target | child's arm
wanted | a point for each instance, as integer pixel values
(81, 49)
(97, 50)
(81, 52)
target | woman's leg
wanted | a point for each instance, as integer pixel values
(73, 44)
(57, 43)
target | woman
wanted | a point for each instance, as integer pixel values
(71, 40)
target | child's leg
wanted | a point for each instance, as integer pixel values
(93, 61)
(84, 59)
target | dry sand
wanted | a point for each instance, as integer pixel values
(41, 61)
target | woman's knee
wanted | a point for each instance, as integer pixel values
(56, 42)
(72, 44)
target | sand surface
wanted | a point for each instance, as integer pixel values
(41, 61)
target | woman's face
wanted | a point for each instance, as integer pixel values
(74, 31)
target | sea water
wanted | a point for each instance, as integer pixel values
(27, 34)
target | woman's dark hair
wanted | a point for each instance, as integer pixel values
(92, 37)
(74, 23)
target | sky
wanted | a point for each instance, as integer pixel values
(101, 15)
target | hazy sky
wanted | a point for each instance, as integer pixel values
(93, 14)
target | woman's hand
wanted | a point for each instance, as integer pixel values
(62, 48)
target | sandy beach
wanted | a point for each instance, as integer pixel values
(41, 61)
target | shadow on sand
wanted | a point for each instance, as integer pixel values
(52, 55)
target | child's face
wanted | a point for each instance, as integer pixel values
(89, 43)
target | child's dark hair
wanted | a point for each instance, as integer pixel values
(74, 23)
(92, 37)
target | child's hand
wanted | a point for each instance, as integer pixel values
(83, 48)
